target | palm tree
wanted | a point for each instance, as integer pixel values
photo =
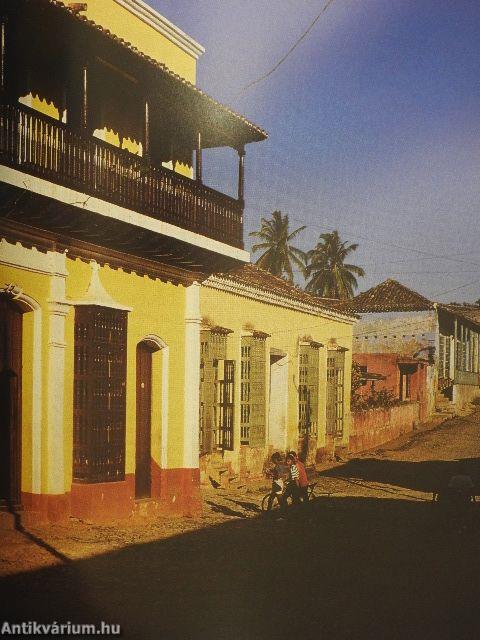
(278, 255)
(329, 276)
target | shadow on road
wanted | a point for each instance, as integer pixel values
(425, 476)
(354, 568)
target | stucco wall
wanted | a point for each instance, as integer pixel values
(464, 393)
(286, 327)
(377, 426)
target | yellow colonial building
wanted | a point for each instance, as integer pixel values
(275, 373)
(121, 374)
(107, 229)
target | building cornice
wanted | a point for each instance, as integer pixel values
(253, 293)
(149, 16)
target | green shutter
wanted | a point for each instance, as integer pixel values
(213, 349)
(335, 392)
(252, 391)
(308, 389)
(257, 413)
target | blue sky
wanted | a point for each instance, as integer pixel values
(373, 121)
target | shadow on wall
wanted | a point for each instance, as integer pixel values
(347, 566)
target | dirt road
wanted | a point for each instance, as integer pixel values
(368, 559)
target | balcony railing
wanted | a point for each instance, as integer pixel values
(43, 147)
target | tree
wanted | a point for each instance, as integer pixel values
(329, 275)
(278, 255)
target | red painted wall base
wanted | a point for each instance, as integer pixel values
(46, 507)
(175, 492)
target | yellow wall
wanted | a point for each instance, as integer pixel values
(158, 308)
(111, 15)
(37, 286)
(286, 327)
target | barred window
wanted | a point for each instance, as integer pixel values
(99, 394)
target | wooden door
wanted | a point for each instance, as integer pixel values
(144, 421)
(10, 402)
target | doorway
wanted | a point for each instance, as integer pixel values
(278, 405)
(143, 455)
(10, 403)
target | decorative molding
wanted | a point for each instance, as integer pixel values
(97, 294)
(247, 291)
(158, 22)
(17, 232)
(49, 263)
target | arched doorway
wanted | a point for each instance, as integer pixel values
(10, 402)
(143, 451)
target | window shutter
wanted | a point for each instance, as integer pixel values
(213, 350)
(335, 392)
(308, 389)
(99, 394)
(258, 372)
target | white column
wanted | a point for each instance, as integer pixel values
(57, 311)
(192, 376)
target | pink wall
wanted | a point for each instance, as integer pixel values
(387, 365)
(377, 426)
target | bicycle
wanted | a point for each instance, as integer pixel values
(272, 496)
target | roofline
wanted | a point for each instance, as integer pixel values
(150, 16)
(456, 312)
(260, 133)
(237, 287)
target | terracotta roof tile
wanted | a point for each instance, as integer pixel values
(387, 296)
(254, 276)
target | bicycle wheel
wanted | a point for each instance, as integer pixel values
(265, 503)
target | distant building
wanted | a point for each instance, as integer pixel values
(420, 350)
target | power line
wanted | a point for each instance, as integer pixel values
(462, 286)
(388, 244)
(291, 50)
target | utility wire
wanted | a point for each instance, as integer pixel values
(291, 50)
(389, 244)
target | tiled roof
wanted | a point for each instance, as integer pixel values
(469, 312)
(254, 276)
(261, 134)
(387, 296)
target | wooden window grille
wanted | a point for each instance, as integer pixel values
(224, 403)
(335, 392)
(99, 394)
(253, 391)
(308, 389)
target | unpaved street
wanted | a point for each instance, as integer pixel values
(368, 559)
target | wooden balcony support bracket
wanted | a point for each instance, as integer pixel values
(84, 107)
(146, 131)
(198, 157)
(3, 45)
(241, 175)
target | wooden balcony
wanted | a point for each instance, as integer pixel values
(48, 149)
